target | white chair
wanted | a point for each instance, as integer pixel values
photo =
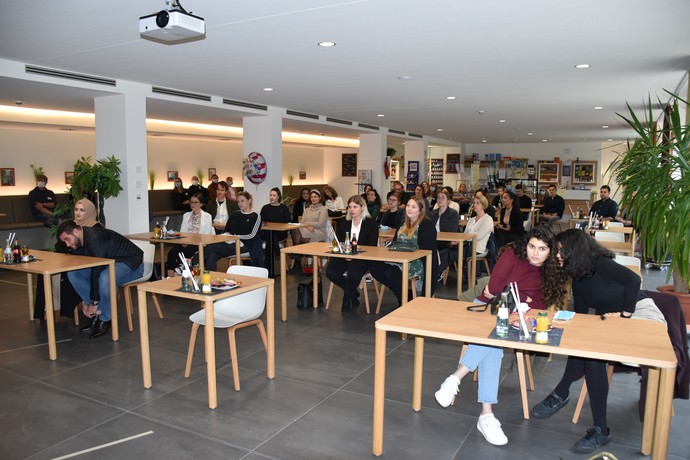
(233, 313)
(616, 224)
(149, 256)
(629, 261)
(610, 236)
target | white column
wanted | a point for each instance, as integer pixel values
(372, 154)
(121, 132)
(263, 134)
(416, 151)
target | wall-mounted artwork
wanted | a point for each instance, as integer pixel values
(349, 165)
(7, 177)
(548, 173)
(172, 175)
(69, 177)
(585, 172)
(395, 170)
(567, 171)
(302, 175)
(211, 172)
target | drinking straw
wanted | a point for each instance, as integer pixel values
(187, 271)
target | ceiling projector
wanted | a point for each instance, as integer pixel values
(172, 26)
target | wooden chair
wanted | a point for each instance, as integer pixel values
(149, 256)
(379, 293)
(362, 286)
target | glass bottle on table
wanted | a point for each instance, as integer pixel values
(16, 252)
(353, 244)
(502, 317)
(347, 247)
(542, 328)
(7, 255)
(157, 231)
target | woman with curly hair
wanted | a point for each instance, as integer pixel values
(601, 283)
(532, 263)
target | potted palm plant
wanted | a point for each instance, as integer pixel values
(96, 181)
(655, 176)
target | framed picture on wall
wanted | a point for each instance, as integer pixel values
(69, 177)
(548, 172)
(585, 172)
(567, 171)
(395, 170)
(349, 165)
(302, 175)
(7, 177)
(211, 172)
(172, 175)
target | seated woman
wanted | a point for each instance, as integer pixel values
(418, 230)
(316, 215)
(195, 221)
(419, 193)
(220, 207)
(602, 284)
(300, 204)
(361, 226)
(394, 216)
(180, 196)
(374, 204)
(275, 211)
(452, 204)
(244, 223)
(333, 202)
(490, 210)
(533, 264)
(482, 224)
(444, 219)
(65, 297)
(510, 224)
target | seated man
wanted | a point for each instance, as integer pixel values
(553, 208)
(524, 201)
(605, 207)
(92, 284)
(42, 202)
(196, 188)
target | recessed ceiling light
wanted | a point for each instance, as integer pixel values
(481, 112)
(439, 129)
(598, 107)
(530, 134)
(605, 126)
(610, 140)
(545, 140)
(484, 140)
(326, 44)
(501, 121)
(380, 115)
(450, 98)
(582, 66)
(404, 77)
(268, 89)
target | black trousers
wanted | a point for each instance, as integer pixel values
(174, 261)
(594, 372)
(356, 269)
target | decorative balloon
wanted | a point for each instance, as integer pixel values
(255, 168)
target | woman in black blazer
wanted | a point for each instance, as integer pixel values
(418, 229)
(445, 219)
(358, 223)
(510, 224)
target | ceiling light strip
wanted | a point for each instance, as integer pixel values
(247, 105)
(69, 75)
(185, 94)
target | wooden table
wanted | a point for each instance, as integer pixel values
(641, 342)
(373, 253)
(171, 287)
(51, 263)
(272, 227)
(198, 239)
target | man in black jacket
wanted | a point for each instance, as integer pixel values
(93, 284)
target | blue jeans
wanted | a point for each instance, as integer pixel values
(488, 359)
(81, 280)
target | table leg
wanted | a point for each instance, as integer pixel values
(238, 252)
(519, 354)
(283, 285)
(379, 390)
(315, 276)
(650, 410)
(163, 272)
(269, 251)
(50, 316)
(417, 374)
(30, 286)
(473, 274)
(270, 326)
(144, 339)
(461, 261)
(405, 282)
(429, 276)
(662, 424)
(210, 345)
(115, 331)
(201, 258)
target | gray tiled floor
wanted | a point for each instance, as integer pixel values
(319, 406)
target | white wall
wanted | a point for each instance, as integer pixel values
(332, 172)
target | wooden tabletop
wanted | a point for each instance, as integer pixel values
(171, 286)
(281, 227)
(185, 238)
(376, 253)
(50, 263)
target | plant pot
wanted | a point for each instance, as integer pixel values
(684, 300)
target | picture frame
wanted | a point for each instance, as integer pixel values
(567, 171)
(172, 175)
(69, 177)
(395, 170)
(585, 172)
(211, 172)
(302, 175)
(452, 162)
(349, 165)
(7, 177)
(548, 172)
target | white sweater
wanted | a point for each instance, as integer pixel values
(483, 228)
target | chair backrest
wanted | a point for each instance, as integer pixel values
(247, 306)
(628, 261)
(149, 256)
(610, 236)
(616, 224)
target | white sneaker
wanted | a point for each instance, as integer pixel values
(449, 388)
(490, 427)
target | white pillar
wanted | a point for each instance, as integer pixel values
(263, 134)
(121, 132)
(372, 154)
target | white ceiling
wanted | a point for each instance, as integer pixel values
(512, 59)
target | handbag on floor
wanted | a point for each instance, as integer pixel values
(305, 294)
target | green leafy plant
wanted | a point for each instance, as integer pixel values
(36, 170)
(200, 175)
(152, 179)
(96, 181)
(655, 176)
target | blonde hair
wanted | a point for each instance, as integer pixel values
(360, 201)
(409, 228)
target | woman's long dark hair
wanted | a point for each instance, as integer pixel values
(552, 276)
(580, 252)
